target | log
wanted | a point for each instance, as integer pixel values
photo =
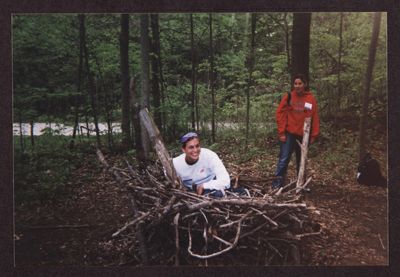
(304, 151)
(158, 144)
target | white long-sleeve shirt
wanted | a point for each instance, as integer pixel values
(208, 170)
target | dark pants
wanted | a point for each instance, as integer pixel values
(218, 193)
(213, 193)
(285, 153)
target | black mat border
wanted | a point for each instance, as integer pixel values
(9, 7)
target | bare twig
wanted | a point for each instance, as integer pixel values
(216, 253)
(133, 222)
(380, 240)
(299, 236)
(176, 223)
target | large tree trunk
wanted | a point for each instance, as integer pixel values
(193, 95)
(32, 132)
(107, 104)
(211, 78)
(92, 85)
(162, 87)
(287, 44)
(367, 85)
(155, 69)
(250, 68)
(301, 44)
(339, 81)
(124, 55)
(79, 84)
(21, 136)
(144, 62)
(135, 108)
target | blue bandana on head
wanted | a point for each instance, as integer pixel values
(188, 136)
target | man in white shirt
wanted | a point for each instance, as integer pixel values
(200, 169)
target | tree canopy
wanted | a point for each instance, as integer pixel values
(46, 61)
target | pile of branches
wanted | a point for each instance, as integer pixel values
(175, 226)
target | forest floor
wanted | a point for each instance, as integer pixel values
(353, 217)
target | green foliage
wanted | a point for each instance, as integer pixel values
(43, 171)
(46, 57)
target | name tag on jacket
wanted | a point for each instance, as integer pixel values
(308, 106)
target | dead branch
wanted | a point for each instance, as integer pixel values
(231, 245)
(61, 226)
(176, 223)
(133, 222)
(304, 151)
(264, 221)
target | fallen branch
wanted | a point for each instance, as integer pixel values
(259, 222)
(61, 226)
(176, 223)
(231, 245)
(133, 222)
(300, 236)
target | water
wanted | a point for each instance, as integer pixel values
(67, 130)
(61, 129)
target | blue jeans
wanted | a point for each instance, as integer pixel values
(213, 193)
(285, 153)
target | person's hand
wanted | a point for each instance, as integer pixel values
(282, 138)
(200, 189)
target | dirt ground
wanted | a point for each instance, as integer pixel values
(75, 229)
(355, 226)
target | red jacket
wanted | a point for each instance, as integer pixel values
(291, 118)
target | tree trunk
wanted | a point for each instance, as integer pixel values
(107, 104)
(87, 126)
(301, 44)
(211, 78)
(162, 87)
(21, 136)
(92, 85)
(339, 81)
(193, 95)
(246, 30)
(136, 121)
(124, 55)
(32, 132)
(287, 45)
(155, 69)
(250, 68)
(367, 85)
(79, 85)
(340, 57)
(144, 62)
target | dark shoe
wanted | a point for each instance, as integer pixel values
(277, 182)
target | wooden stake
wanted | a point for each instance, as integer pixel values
(304, 151)
(158, 144)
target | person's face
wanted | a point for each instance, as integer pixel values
(192, 150)
(299, 86)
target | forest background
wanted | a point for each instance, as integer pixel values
(222, 75)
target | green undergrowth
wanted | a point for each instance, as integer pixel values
(43, 171)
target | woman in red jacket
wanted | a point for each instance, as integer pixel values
(290, 115)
